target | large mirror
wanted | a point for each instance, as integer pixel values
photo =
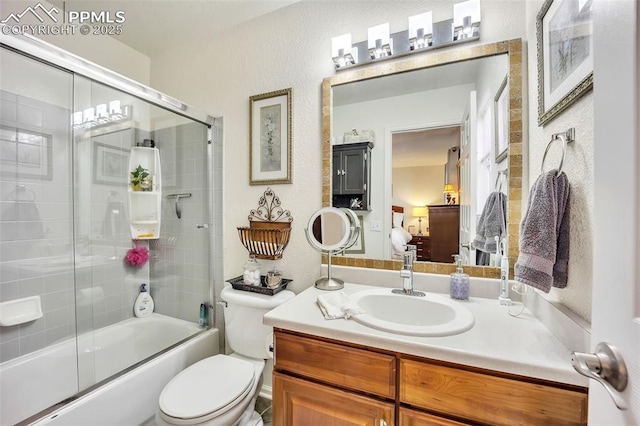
(447, 131)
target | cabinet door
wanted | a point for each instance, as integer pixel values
(444, 232)
(298, 402)
(486, 399)
(354, 178)
(336, 176)
(410, 417)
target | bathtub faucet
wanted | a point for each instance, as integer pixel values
(406, 273)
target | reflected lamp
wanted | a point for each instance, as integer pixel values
(448, 189)
(420, 212)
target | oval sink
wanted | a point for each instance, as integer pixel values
(429, 315)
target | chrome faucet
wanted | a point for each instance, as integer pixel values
(406, 273)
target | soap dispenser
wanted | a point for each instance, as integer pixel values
(144, 303)
(459, 286)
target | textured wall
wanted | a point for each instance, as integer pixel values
(578, 165)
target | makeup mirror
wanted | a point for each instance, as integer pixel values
(332, 230)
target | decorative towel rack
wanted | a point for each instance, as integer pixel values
(566, 138)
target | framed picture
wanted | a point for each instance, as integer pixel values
(358, 246)
(565, 55)
(26, 153)
(110, 164)
(501, 119)
(270, 138)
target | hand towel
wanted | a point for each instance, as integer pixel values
(544, 234)
(338, 305)
(492, 223)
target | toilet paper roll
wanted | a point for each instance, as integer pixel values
(268, 343)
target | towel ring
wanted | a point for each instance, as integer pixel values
(498, 180)
(25, 189)
(566, 138)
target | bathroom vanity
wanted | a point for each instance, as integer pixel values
(503, 371)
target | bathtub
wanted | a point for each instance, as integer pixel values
(41, 379)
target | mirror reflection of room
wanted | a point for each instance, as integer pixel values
(434, 160)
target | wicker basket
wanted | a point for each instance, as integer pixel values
(265, 240)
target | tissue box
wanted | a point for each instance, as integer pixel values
(359, 136)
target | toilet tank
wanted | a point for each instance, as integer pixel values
(244, 330)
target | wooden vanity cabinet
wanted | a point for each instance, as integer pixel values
(318, 381)
(301, 402)
(484, 397)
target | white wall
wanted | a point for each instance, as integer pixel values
(578, 165)
(417, 186)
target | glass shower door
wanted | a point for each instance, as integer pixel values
(112, 132)
(38, 357)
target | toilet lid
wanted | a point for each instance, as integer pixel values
(206, 387)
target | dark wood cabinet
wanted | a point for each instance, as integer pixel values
(444, 232)
(351, 178)
(423, 247)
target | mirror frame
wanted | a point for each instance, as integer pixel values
(513, 48)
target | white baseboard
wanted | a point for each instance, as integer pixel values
(266, 392)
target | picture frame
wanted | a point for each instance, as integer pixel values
(110, 164)
(501, 120)
(565, 55)
(358, 246)
(270, 138)
(26, 152)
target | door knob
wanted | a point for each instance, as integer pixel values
(468, 246)
(606, 367)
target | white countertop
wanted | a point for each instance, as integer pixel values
(497, 341)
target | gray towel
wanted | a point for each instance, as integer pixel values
(544, 234)
(492, 223)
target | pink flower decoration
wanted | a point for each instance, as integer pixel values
(137, 256)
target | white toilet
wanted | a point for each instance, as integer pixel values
(222, 389)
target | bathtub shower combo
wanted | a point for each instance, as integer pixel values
(71, 133)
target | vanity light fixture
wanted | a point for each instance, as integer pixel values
(342, 51)
(420, 30)
(420, 212)
(466, 19)
(423, 34)
(101, 115)
(380, 44)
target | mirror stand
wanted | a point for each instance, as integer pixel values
(329, 283)
(332, 230)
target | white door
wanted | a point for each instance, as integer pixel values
(616, 286)
(467, 190)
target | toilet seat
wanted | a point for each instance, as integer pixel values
(193, 393)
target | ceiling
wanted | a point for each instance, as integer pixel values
(422, 148)
(152, 26)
